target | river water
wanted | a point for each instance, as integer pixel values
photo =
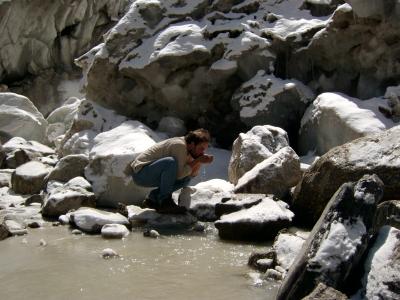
(179, 265)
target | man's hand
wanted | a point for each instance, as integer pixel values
(206, 159)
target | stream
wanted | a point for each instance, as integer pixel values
(52, 263)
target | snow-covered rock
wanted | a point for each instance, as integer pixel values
(9, 198)
(378, 153)
(32, 148)
(334, 119)
(275, 175)
(266, 99)
(202, 198)
(259, 222)
(69, 167)
(62, 198)
(29, 178)
(150, 218)
(109, 159)
(236, 202)
(337, 242)
(92, 220)
(89, 120)
(382, 266)
(20, 118)
(114, 231)
(287, 246)
(253, 147)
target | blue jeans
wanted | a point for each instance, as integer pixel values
(161, 173)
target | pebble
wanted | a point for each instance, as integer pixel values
(63, 219)
(76, 231)
(42, 243)
(151, 233)
(109, 253)
(199, 227)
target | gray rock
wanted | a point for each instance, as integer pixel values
(36, 198)
(259, 222)
(346, 163)
(15, 228)
(92, 220)
(65, 197)
(388, 213)
(19, 116)
(5, 177)
(114, 231)
(253, 147)
(287, 246)
(2, 155)
(29, 178)
(17, 158)
(69, 167)
(337, 242)
(275, 175)
(323, 292)
(262, 261)
(109, 253)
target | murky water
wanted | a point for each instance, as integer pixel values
(176, 266)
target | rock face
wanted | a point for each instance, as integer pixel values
(259, 222)
(388, 213)
(29, 178)
(337, 242)
(253, 147)
(331, 113)
(20, 118)
(66, 29)
(275, 175)
(353, 52)
(377, 154)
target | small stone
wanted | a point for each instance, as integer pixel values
(42, 243)
(114, 231)
(64, 219)
(24, 241)
(151, 233)
(273, 274)
(109, 253)
(76, 231)
(34, 224)
(55, 224)
(199, 227)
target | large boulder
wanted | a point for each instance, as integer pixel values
(43, 34)
(19, 117)
(253, 147)
(183, 61)
(354, 54)
(266, 99)
(377, 154)
(334, 119)
(337, 242)
(275, 175)
(259, 222)
(29, 178)
(109, 160)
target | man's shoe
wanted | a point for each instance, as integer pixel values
(148, 203)
(170, 207)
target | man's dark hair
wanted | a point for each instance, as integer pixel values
(197, 136)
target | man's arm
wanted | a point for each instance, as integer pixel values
(195, 164)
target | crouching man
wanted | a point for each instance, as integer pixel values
(168, 166)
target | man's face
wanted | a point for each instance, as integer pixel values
(198, 150)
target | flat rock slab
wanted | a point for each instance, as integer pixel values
(92, 220)
(237, 202)
(149, 217)
(260, 222)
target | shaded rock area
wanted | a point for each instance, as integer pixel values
(259, 222)
(69, 167)
(337, 242)
(348, 163)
